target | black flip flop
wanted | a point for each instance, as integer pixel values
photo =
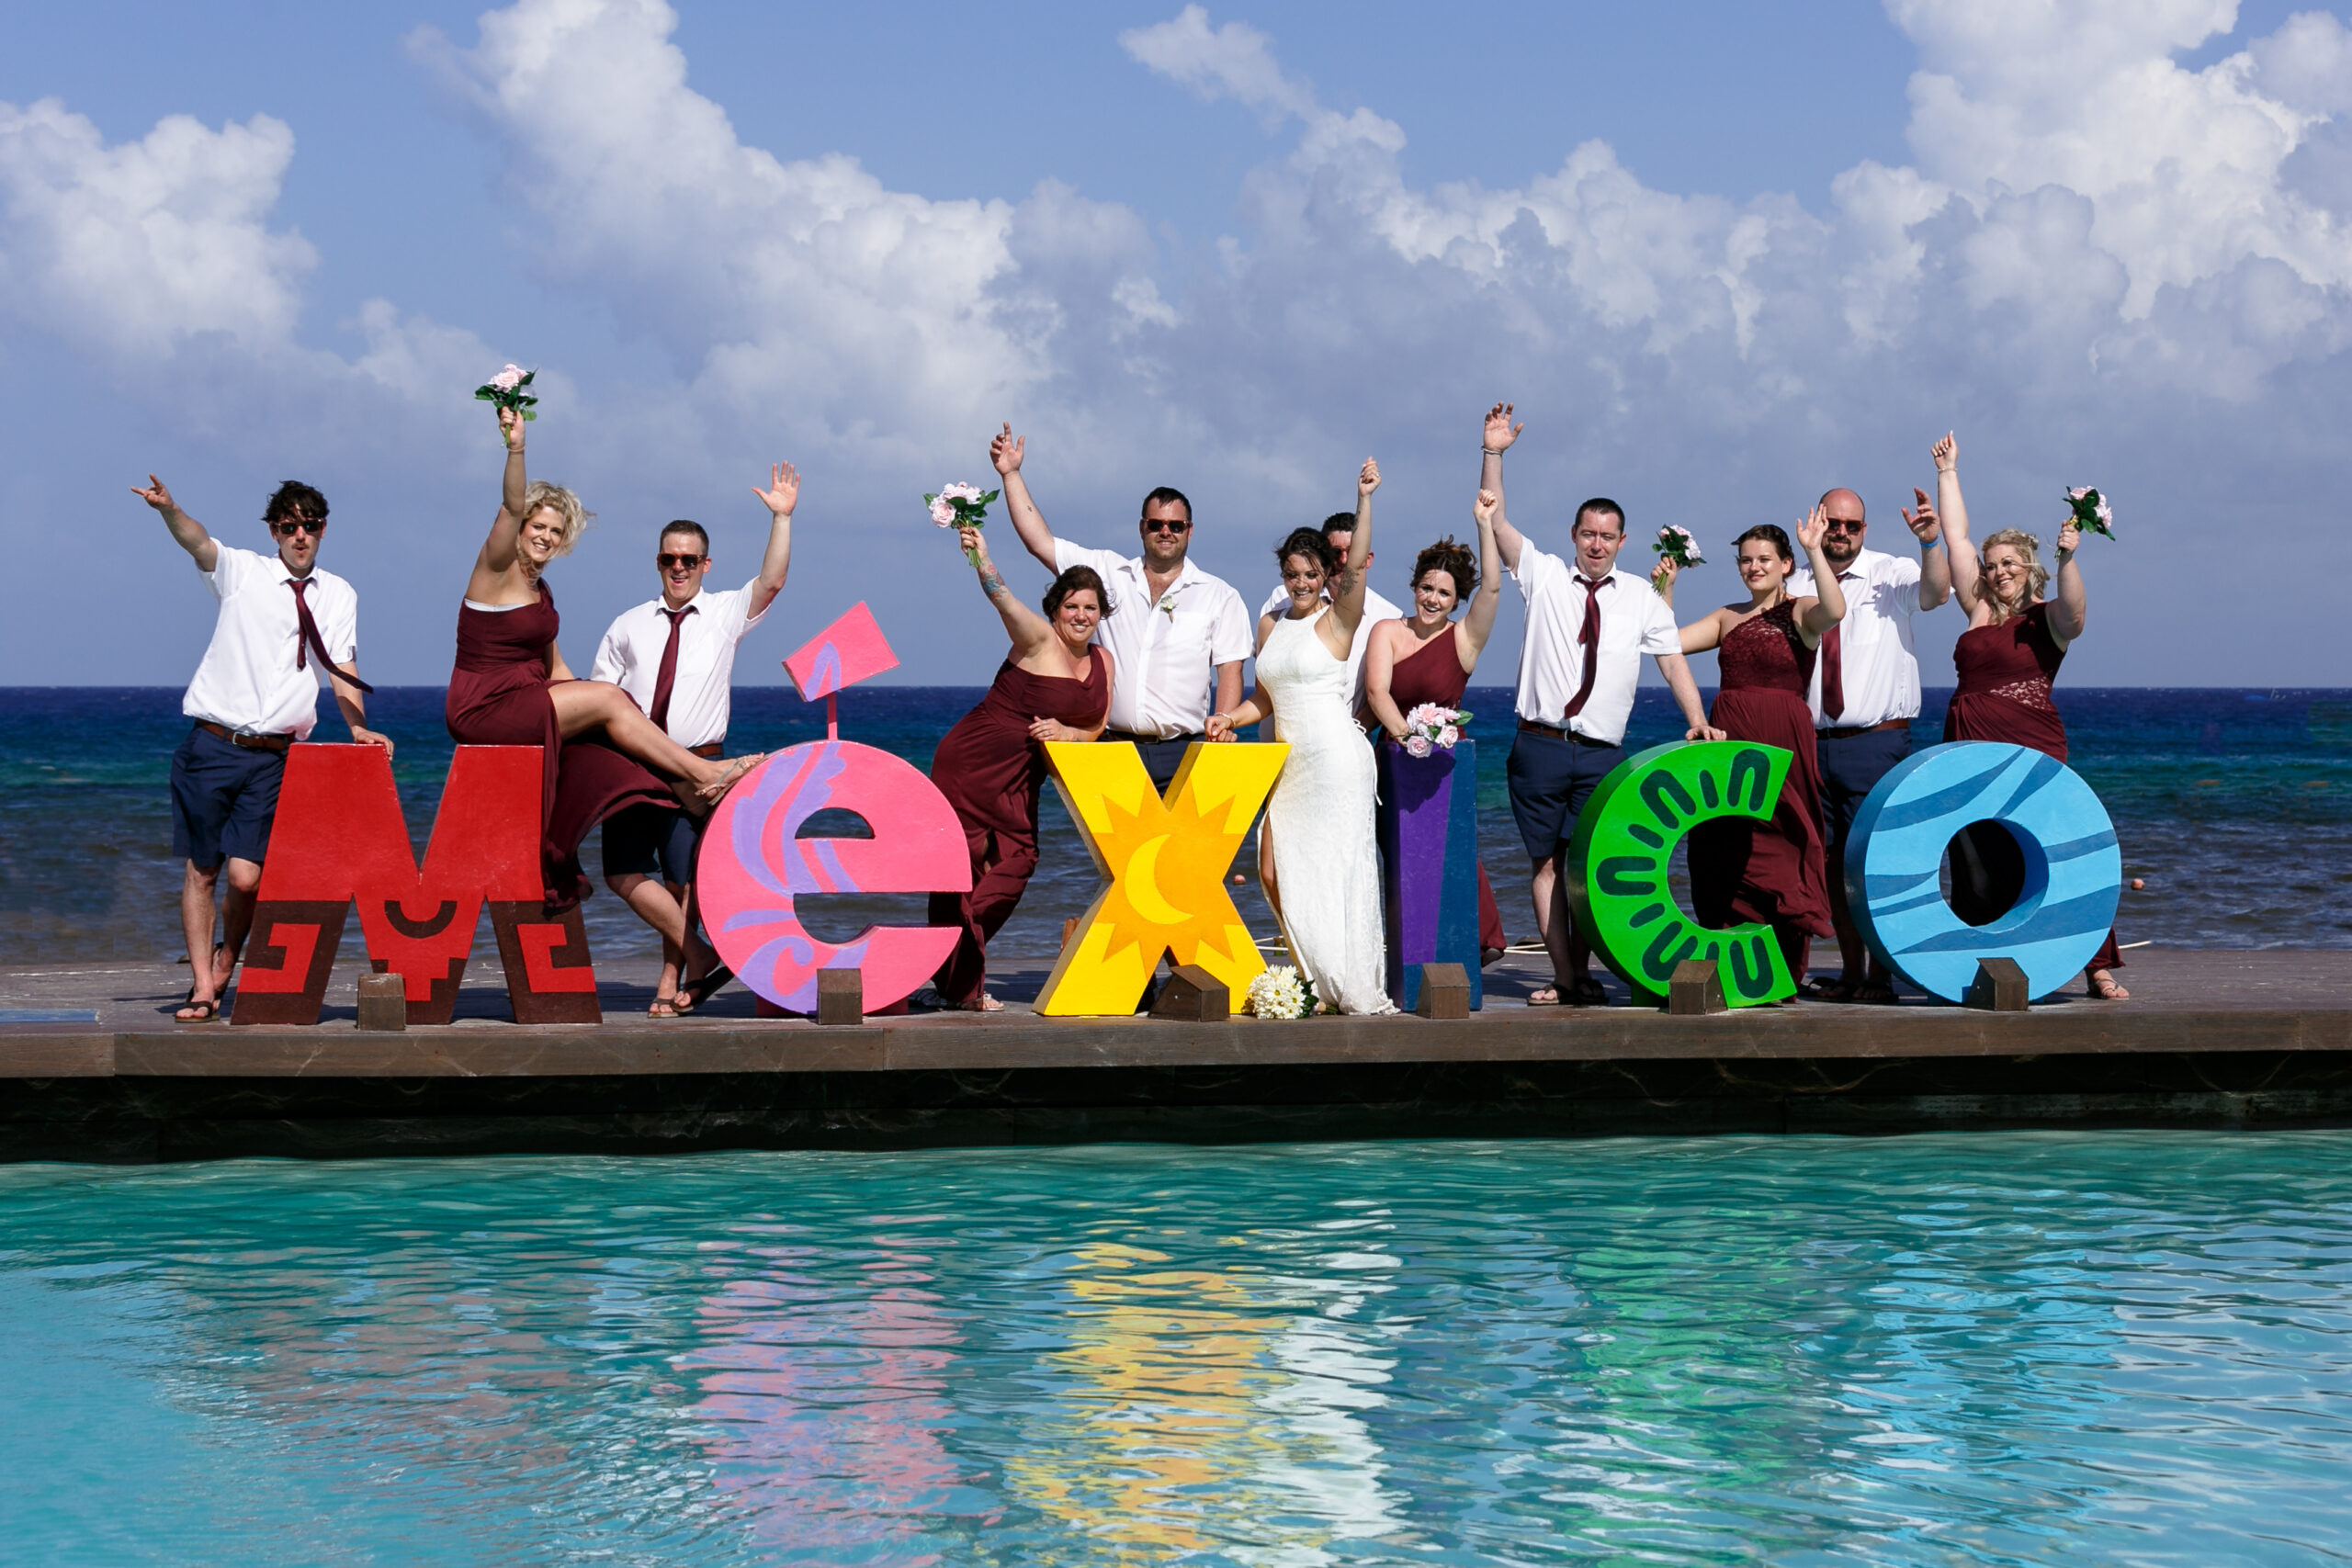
(694, 994)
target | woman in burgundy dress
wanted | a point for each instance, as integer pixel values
(1428, 657)
(991, 766)
(511, 686)
(2007, 660)
(1774, 871)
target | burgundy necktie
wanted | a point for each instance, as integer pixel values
(1833, 668)
(1588, 638)
(308, 641)
(668, 677)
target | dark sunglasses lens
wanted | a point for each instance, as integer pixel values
(287, 530)
(682, 563)
(1160, 526)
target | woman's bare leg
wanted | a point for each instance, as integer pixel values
(584, 705)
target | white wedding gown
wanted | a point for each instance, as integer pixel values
(1327, 869)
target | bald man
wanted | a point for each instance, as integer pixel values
(1865, 695)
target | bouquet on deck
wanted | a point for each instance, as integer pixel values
(1280, 992)
(2092, 513)
(961, 506)
(1430, 727)
(505, 389)
(1677, 544)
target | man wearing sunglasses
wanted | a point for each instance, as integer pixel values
(1179, 632)
(1865, 695)
(255, 693)
(675, 655)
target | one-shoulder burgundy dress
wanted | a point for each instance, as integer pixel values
(498, 696)
(2006, 670)
(993, 773)
(1433, 673)
(1774, 872)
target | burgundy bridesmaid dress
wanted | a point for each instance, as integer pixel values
(498, 696)
(1773, 872)
(1433, 673)
(2006, 670)
(993, 773)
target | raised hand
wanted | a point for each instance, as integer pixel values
(976, 548)
(1500, 432)
(156, 495)
(510, 428)
(1922, 523)
(1005, 451)
(2069, 536)
(1482, 510)
(783, 489)
(1367, 478)
(1662, 577)
(1812, 530)
(1946, 453)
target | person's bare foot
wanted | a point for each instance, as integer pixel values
(983, 1003)
(1544, 997)
(2106, 988)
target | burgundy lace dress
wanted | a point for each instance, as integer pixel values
(498, 696)
(1742, 870)
(2006, 670)
(1433, 673)
(993, 773)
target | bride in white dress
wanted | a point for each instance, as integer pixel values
(1325, 861)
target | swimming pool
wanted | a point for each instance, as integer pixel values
(1974, 1349)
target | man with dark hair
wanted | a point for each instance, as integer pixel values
(1178, 631)
(255, 693)
(1865, 695)
(1587, 626)
(675, 655)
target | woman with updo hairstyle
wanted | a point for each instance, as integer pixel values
(1053, 685)
(2007, 660)
(1428, 657)
(511, 686)
(1773, 872)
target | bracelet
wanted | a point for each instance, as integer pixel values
(1489, 452)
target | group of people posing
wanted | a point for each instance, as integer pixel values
(1150, 649)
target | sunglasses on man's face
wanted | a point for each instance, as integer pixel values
(681, 563)
(1842, 525)
(294, 526)
(1166, 525)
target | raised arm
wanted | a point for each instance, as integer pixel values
(1934, 571)
(781, 496)
(186, 531)
(1005, 452)
(1027, 628)
(499, 551)
(1959, 554)
(2069, 605)
(1499, 436)
(1828, 606)
(1347, 600)
(1478, 620)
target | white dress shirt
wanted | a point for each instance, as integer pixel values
(1166, 652)
(248, 681)
(1876, 661)
(701, 696)
(1375, 610)
(1633, 621)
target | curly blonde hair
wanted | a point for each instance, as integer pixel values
(2037, 576)
(565, 504)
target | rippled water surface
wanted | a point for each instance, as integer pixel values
(1991, 1349)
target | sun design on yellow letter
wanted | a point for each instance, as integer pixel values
(1166, 861)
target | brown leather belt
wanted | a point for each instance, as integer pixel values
(711, 748)
(276, 743)
(1556, 733)
(1849, 731)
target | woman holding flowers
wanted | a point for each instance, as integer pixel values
(511, 687)
(1426, 660)
(2007, 660)
(991, 766)
(1771, 872)
(1321, 810)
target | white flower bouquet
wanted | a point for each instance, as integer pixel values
(1280, 992)
(961, 506)
(505, 389)
(1677, 544)
(1430, 727)
(2092, 513)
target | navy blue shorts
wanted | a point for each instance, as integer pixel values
(1850, 769)
(647, 841)
(1550, 782)
(224, 798)
(1163, 758)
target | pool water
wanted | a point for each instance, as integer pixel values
(2102, 1349)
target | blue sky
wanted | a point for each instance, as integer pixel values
(1722, 258)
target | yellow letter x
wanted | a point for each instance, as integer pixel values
(1166, 864)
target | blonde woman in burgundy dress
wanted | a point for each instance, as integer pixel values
(2007, 660)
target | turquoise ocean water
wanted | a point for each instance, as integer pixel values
(1992, 1349)
(2236, 806)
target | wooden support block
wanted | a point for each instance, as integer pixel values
(1695, 987)
(1445, 991)
(2000, 986)
(1192, 995)
(383, 1001)
(841, 997)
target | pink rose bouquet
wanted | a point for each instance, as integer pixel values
(960, 506)
(1430, 728)
(505, 389)
(2092, 513)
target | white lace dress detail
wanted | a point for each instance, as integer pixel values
(1327, 869)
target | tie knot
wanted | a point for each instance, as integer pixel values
(677, 615)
